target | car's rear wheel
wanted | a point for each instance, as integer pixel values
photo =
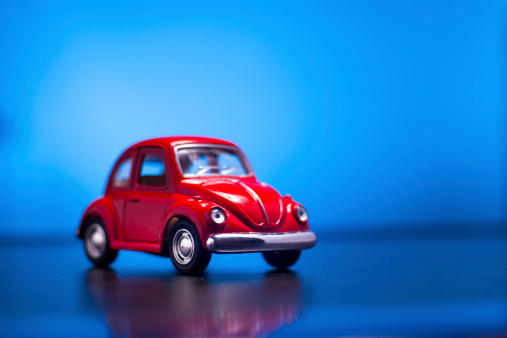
(97, 244)
(186, 250)
(281, 259)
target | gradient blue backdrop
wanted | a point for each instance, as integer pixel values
(367, 112)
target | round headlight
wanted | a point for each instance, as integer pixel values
(301, 213)
(217, 215)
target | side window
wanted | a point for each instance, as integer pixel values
(153, 171)
(121, 177)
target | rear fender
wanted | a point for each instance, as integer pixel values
(103, 209)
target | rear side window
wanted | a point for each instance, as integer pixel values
(121, 177)
(153, 172)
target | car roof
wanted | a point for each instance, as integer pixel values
(178, 140)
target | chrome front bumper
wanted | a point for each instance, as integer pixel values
(257, 242)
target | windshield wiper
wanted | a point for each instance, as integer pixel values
(227, 170)
(205, 168)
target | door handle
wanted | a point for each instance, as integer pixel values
(133, 199)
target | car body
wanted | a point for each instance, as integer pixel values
(188, 197)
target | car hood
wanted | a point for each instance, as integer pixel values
(254, 203)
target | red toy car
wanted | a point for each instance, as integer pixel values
(189, 197)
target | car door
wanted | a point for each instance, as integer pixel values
(147, 202)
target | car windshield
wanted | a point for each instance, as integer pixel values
(203, 160)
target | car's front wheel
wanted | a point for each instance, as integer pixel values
(186, 250)
(281, 259)
(97, 243)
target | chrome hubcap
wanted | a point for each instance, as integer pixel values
(183, 247)
(95, 240)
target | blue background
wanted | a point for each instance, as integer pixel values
(369, 113)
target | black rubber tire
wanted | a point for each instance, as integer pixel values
(201, 256)
(109, 255)
(281, 259)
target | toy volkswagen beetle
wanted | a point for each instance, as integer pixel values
(189, 197)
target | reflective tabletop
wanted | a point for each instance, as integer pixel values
(351, 284)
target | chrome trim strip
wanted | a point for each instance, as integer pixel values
(257, 199)
(258, 242)
(212, 145)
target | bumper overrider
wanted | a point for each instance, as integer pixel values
(257, 242)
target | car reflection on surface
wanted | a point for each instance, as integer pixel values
(194, 306)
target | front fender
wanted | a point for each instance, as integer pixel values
(191, 209)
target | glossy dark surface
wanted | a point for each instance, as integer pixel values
(375, 283)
